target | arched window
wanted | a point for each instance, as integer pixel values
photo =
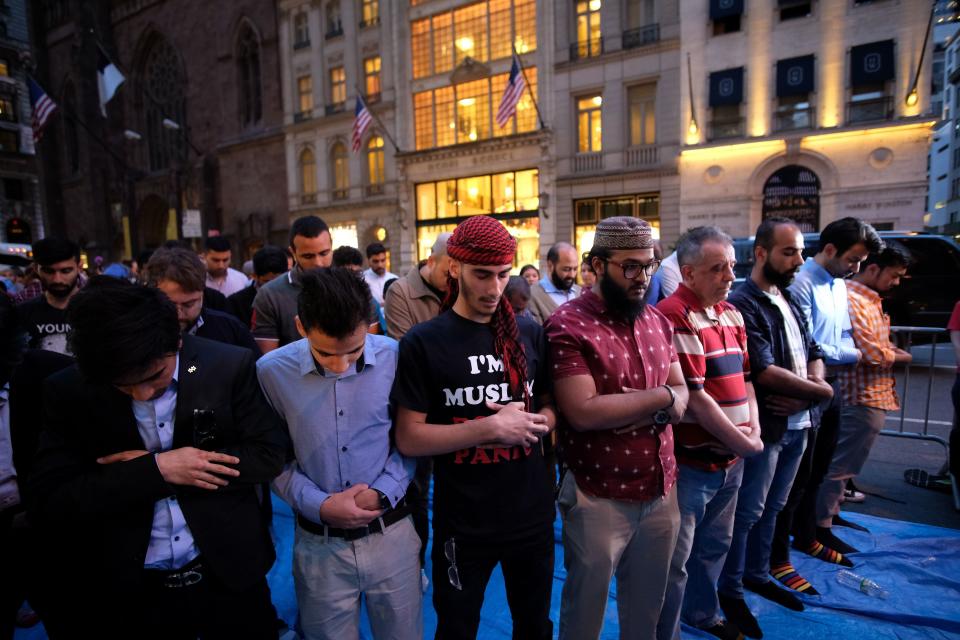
(375, 168)
(248, 68)
(71, 137)
(339, 164)
(793, 192)
(308, 173)
(164, 83)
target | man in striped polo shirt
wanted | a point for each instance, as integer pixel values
(720, 425)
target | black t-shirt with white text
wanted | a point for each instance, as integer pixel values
(448, 370)
(46, 325)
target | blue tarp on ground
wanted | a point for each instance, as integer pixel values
(918, 564)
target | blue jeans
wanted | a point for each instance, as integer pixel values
(767, 479)
(708, 501)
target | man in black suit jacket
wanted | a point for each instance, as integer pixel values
(165, 528)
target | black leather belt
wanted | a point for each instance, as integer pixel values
(186, 576)
(398, 513)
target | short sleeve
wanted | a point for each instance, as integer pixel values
(265, 316)
(687, 347)
(412, 384)
(565, 349)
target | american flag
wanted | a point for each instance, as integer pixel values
(361, 122)
(511, 95)
(43, 107)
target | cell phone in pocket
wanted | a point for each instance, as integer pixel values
(205, 430)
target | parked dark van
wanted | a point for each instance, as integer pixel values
(925, 298)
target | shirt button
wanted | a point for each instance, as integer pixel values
(340, 412)
(173, 499)
(161, 425)
(343, 449)
(347, 483)
(176, 538)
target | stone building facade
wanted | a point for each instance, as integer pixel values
(196, 126)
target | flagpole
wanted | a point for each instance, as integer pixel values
(526, 82)
(383, 127)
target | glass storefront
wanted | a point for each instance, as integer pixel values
(512, 197)
(589, 211)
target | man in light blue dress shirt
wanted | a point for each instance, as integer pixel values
(821, 294)
(354, 537)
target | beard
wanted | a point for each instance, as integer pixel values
(619, 303)
(563, 284)
(61, 291)
(779, 279)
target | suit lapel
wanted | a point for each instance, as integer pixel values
(120, 419)
(188, 381)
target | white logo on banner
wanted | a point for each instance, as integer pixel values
(795, 76)
(872, 62)
(725, 4)
(725, 88)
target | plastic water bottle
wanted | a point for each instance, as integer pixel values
(861, 584)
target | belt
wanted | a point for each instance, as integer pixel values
(398, 513)
(186, 576)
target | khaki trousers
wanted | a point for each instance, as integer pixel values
(603, 538)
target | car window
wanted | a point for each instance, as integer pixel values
(931, 257)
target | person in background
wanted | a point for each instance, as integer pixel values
(559, 285)
(275, 307)
(517, 294)
(869, 389)
(44, 318)
(220, 275)
(588, 277)
(179, 273)
(667, 278)
(530, 273)
(416, 297)
(268, 263)
(351, 258)
(377, 275)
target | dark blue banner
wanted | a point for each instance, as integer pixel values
(726, 87)
(872, 63)
(725, 9)
(795, 76)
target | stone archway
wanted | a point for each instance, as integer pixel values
(793, 192)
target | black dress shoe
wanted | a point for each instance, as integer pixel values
(739, 614)
(773, 593)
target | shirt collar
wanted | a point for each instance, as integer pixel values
(687, 295)
(176, 371)
(863, 290)
(550, 287)
(309, 365)
(817, 273)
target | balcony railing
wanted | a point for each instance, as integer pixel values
(372, 22)
(373, 97)
(583, 162)
(645, 156)
(303, 116)
(789, 119)
(301, 44)
(586, 48)
(340, 194)
(308, 198)
(336, 107)
(641, 36)
(720, 129)
(335, 30)
(375, 189)
(869, 110)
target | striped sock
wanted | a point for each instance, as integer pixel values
(789, 578)
(821, 552)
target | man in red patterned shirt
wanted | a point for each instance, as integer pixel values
(619, 387)
(721, 424)
(869, 388)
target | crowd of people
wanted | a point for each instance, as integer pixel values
(691, 436)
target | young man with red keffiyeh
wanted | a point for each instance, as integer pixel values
(472, 391)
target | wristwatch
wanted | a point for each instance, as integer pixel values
(662, 417)
(384, 500)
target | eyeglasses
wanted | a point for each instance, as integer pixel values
(450, 551)
(632, 269)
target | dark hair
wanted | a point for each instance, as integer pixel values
(217, 243)
(768, 229)
(553, 253)
(846, 232)
(345, 256)
(894, 254)
(387, 285)
(269, 259)
(177, 265)
(118, 329)
(308, 227)
(334, 301)
(144, 257)
(690, 244)
(524, 268)
(52, 250)
(597, 252)
(517, 284)
(375, 248)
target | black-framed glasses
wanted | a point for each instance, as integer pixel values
(450, 551)
(632, 269)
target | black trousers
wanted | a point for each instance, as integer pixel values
(799, 515)
(418, 497)
(527, 567)
(208, 610)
